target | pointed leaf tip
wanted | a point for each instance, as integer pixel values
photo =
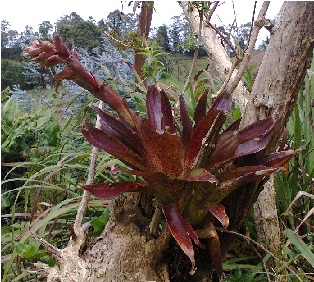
(186, 122)
(219, 212)
(110, 190)
(159, 109)
(181, 231)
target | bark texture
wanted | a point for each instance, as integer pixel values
(267, 223)
(124, 251)
(279, 78)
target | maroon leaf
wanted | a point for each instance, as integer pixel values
(205, 126)
(223, 102)
(234, 126)
(182, 231)
(256, 129)
(159, 110)
(219, 212)
(121, 131)
(199, 174)
(164, 151)
(167, 122)
(186, 122)
(278, 159)
(213, 245)
(113, 146)
(208, 127)
(238, 172)
(153, 106)
(110, 190)
(234, 144)
(200, 110)
(231, 180)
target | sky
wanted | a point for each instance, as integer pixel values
(20, 13)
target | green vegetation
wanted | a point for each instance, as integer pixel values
(45, 159)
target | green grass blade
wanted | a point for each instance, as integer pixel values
(300, 245)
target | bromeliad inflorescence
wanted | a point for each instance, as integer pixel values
(189, 169)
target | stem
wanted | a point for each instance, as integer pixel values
(78, 230)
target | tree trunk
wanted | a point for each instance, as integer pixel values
(267, 223)
(126, 251)
(274, 93)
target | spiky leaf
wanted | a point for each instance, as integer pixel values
(219, 212)
(186, 122)
(112, 145)
(159, 110)
(110, 190)
(182, 231)
(234, 144)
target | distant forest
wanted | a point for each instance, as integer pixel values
(116, 34)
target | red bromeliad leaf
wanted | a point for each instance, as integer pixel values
(110, 190)
(234, 144)
(167, 122)
(213, 245)
(121, 131)
(165, 151)
(200, 110)
(238, 172)
(182, 231)
(278, 159)
(153, 106)
(186, 122)
(223, 102)
(219, 212)
(113, 146)
(234, 126)
(208, 127)
(159, 110)
(199, 174)
(231, 180)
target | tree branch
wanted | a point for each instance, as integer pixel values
(78, 230)
(215, 50)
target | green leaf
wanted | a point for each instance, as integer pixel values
(5, 202)
(300, 245)
(99, 223)
(27, 250)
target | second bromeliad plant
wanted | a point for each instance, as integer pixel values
(188, 166)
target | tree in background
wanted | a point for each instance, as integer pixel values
(162, 38)
(119, 23)
(85, 34)
(45, 30)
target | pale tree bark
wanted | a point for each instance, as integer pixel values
(214, 49)
(269, 100)
(127, 251)
(280, 76)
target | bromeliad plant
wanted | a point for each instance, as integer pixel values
(188, 166)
